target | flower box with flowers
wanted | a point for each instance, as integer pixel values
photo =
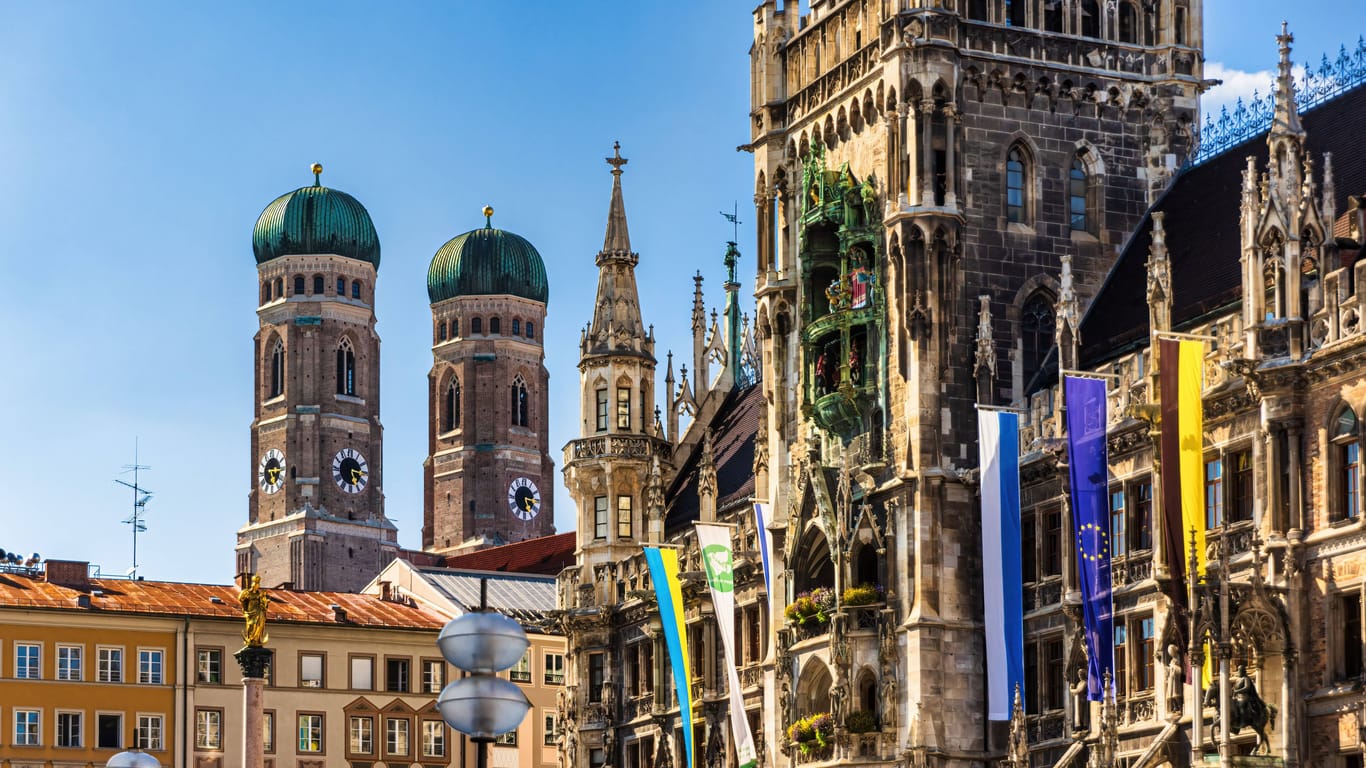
(814, 607)
(813, 735)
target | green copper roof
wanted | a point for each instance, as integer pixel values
(315, 220)
(485, 262)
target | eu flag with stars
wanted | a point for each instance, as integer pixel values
(1088, 471)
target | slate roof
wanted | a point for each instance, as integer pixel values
(526, 597)
(733, 430)
(31, 590)
(1203, 232)
(546, 555)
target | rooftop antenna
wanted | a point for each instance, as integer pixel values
(140, 498)
(734, 218)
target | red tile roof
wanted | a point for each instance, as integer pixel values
(171, 598)
(546, 555)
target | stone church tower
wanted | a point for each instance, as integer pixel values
(488, 477)
(613, 470)
(918, 163)
(316, 518)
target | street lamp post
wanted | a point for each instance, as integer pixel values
(482, 705)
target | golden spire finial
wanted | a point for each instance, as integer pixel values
(488, 217)
(317, 174)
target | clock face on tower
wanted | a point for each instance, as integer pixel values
(270, 475)
(524, 498)
(350, 470)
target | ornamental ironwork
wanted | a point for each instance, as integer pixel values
(1332, 78)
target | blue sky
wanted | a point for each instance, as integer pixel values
(139, 142)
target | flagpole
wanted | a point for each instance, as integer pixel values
(1089, 374)
(1006, 408)
(1188, 336)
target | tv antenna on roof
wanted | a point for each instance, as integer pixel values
(140, 498)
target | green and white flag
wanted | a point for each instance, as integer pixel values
(716, 555)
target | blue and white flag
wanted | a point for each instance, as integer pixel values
(1002, 583)
(761, 523)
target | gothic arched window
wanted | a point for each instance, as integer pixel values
(298, 285)
(441, 331)
(450, 406)
(1076, 196)
(346, 368)
(265, 292)
(516, 327)
(279, 287)
(318, 285)
(277, 369)
(1128, 23)
(341, 286)
(1016, 176)
(495, 325)
(1090, 18)
(530, 330)
(477, 325)
(355, 289)
(521, 407)
(1036, 334)
(1347, 451)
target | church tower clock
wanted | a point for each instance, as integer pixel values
(488, 476)
(316, 507)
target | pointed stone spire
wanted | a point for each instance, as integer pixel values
(1287, 115)
(616, 326)
(1159, 278)
(986, 343)
(733, 329)
(1066, 326)
(618, 239)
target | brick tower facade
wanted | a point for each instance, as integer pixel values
(316, 506)
(488, 477)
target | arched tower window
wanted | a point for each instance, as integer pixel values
(341, 286)
(1090, 18)
(279, 287)
(521, 406)
(277, 369)
(455, 327)
(530, 330)
(298, 285)
(441, 331)
(1017, 173)
(1036, 334)
(346, 368)
(450, 406)
(516, 327)
(1180, 24)
(477, 325)
(265, 292)
(318, 285)
(495, 325)
(1128, 23)
(1076, 196)
(355, 289)
(1347, 450)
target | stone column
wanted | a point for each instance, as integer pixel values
(927, 152)
(254, 662)
(951, 119)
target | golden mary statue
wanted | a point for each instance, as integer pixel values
(254, 603)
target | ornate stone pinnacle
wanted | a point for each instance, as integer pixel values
(616, 161)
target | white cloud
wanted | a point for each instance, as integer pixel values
(1238, 84)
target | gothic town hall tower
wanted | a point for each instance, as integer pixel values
(316, 517)
(488, 478)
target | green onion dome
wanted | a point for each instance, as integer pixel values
(487, 262)
(313, 220)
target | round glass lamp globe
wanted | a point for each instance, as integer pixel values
(482, 643)
(133, 759)
(482, 707)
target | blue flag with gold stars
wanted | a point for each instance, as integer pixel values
(1088, 471)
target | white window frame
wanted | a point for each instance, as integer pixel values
(558, 671)
(155, 659)
(433, 734)
(432, 683)
(33, 739)
(23, 672)
(299, 732)
(100, 676)
(154, 724)
(391, 733)
(80, 662)
(354, 734)
(202, 744)
(123, 735)
(215, 655)
(57, 728)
